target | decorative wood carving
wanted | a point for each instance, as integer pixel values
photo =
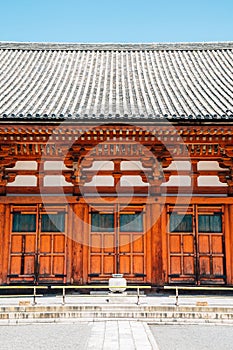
(155, 147)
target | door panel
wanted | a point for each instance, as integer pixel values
(37, 245)
(188, 244)
(138, 266)
(116, 244)
(45, 243)
(16, 243)
(204, 246)
(175, 266)
(175, 244)
(217, 244)
(138, 244)
(131, 244)
(95, 242)
(108, 264)
(101, 255)
(59, 244)
(196, 257)
(96, 264)
(108, 243)
(204, 263)
(182, 256)
(51, 255)
(58, 265)
(30, 243)
(45, 266)
(210, 248)
(22, 255)
(218, 264)
(124, 264)
(131, 255)
(15, 268)
(189, 265)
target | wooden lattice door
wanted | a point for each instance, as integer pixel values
(196, 245)
(117, 243)
(37, 244)
(210, 243)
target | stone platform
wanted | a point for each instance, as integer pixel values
(153, 309)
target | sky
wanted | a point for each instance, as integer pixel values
(116, 20)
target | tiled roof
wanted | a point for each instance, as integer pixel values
(116, 81)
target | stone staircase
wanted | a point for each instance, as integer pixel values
(149, 313)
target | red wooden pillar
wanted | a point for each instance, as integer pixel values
(156, 246)
(148, 241)
(5, 239)
(77, 246)
(2, 222)
(69, 243)
(86, 232)
(164, 243)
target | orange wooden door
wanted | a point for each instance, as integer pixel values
(181, 245)
(210, 245)
(52, 246)
(117, 244)
(131, 245)
(23, 244)
(102, 247)
(196, 245)
(37, 245)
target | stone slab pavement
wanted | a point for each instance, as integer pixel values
(123, 335)
(97, 335)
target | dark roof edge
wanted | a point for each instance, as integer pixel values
(115, 117)
(92, 123)
(116, 46)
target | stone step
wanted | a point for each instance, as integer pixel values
(113, 307)
(153, 314)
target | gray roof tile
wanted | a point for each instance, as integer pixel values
(116, 81)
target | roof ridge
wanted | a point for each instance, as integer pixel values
(178, 46)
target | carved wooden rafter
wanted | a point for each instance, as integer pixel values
(152, 159)
(36, 143)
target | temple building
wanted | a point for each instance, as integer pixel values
(116, 159)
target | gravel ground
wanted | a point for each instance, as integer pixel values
(45, 336)
(193, 337)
